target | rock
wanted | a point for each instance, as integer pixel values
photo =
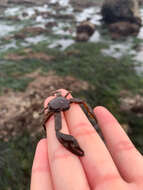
(132, 104)
(63, 16)
(34, 30)
(36, 12)
(82, 37)
(45, 14)
(121, 10)
(140, 2)
(29, 2)
(30, 31)
(126, 127)
(85, 3)
(20, 36)
(24, 14)
(138, 106)
(50, 24)
(77, 9)
(84, 30)
(123, 28)
(20, 110)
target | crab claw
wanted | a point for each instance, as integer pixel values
(75, 148)
(70, 143)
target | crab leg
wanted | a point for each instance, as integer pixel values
(90, 113)
(43, 110)
(66, 140)
(86, 106)
(46, 117)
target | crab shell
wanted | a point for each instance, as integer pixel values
(59, 104)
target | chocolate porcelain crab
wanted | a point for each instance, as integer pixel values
(55, 107)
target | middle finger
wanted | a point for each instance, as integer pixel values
(97, 162)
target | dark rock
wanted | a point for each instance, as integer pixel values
(121, 10)
(44, 14)
(50, 24)
(120, 29)
(37, 13)
(84, 30)
(24, 14)
(85, 3)
(29, 2)
(64, 16)
(140, 2)
(20, 36)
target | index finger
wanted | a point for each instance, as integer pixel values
(65, 167)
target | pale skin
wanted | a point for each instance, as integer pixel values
(115, 166)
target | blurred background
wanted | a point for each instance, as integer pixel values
(92, 48)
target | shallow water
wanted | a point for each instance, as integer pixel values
(10, 45)
(63, 28)
(35, 40)
(5, 29)
(118, 50)
(62, 44)
(92, 12)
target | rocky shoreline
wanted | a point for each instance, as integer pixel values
(85, 3)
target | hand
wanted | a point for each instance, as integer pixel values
(114, 166)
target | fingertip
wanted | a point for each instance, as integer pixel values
(104, 116)
(99, 109)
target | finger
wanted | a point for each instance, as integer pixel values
(128, 160)
(41, 177)
(97, 161)
(66, 169)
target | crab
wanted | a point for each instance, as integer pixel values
(55, 107)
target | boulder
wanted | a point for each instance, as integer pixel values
(84, 30)
(132, 104)
(51, 24)
(121, 10)
(123, 28)
(25, 14)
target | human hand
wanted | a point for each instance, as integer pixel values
(114, 166)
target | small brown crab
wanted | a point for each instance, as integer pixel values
(55, 106)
